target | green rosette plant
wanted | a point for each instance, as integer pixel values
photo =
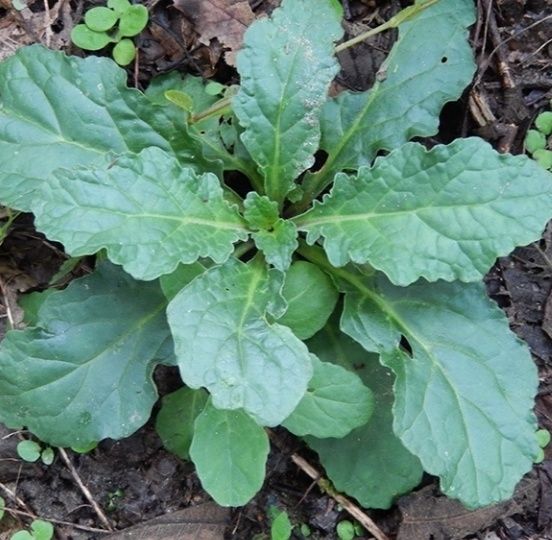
(342, 302)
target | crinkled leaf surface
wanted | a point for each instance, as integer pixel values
(60, 111)
(430, 64)
(311, 297)
(148, 211)
(84, 373)
(175, 421)
(224, 342)
(370, 464)
(286, 66)
(277, 244)
(229, 451)
(464, 399)
(447, 213)
(336, 402)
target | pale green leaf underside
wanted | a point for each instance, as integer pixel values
(336, 402)
(430, 64)
(84, 373)
(224, 342)
(286, 66)
(229, 451)
(370, 464)
(60, 111)
(311, 297)
(447, 213)
(146, 210)
(463, 402)
(175, 420)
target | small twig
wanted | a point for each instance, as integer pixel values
(84, 489)
(8, 304)
(57, 521)
(20, 502)
(47, 24)
(351, 508)
(393, 22)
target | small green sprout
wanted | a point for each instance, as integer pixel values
(543, 440)
(536, 140)
(40, 530)
(31, 451)
(116, 23)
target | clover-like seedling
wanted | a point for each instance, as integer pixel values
(40, 530)
(537, 140)
(32, 451)
(116, 23)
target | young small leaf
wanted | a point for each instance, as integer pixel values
(175, 420)
(534, 140)
(370, 464)
(277, 244)
(229, 451)
(286, 69)
(47, 455)
(120, 6)
(281, 527)
(89, 40)
(543, 122)
(311, 297)
(133, 20)
(465, 393)
(259, 211)
(336, 402)
(84, 374)
(42, 530)
(225, 343)
(148, 211)
(446, 213)
(100, 19)
(543, 158)
(28, 451)
(124, 52)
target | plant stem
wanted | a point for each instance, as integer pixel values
(393, 22)
(218, 108)
(244, 248)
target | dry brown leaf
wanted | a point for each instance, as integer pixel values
(225, 20)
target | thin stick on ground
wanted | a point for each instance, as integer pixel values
(85, 491)
(351, 508)
(20, 502)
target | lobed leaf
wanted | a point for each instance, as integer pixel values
(59, 111)
(336, 402)
(147, 211)
(286, 69)
(84, 373)
(229, 451)
(370, 464)
(464, 395)
(446, 213)
(225, 343)
(430, 64)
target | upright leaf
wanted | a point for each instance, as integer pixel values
(83, 373)
(430, 64)
(60, 111)
(148, 211)
(447, 213)
(464, 395)
(229, 451)
(225, 343)
(336, 402)
(286, 68)
(370, 464)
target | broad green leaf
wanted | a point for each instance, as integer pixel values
(311, 297)
(229, 451)
(225, 343)
(184, 273)
(446, 213)
(60, 111)
(464, 397)
(430, 64)
(370, 464)
(31, 303)
(286, 66)
(336, 402)
(147, 211)
(84, 373)
(175, 420)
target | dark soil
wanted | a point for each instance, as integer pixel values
(136, 480)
